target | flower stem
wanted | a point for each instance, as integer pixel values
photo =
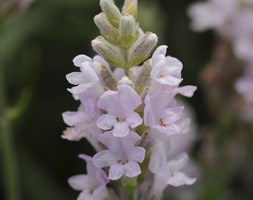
(8, 158)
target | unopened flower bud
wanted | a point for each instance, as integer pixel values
(106, 29)
(128, 30)
(128, 25)
(105, 76)
(112, 12)
(108, 51)
(143, 79)
(130, 7)
(143, 50)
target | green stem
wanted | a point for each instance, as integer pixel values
(9, 159)
(125, 53)
(133, 195)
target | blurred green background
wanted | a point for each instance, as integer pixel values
(37, 46)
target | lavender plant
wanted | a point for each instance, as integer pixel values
(128, 111)
(232, 20)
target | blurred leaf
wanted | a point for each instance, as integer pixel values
(38, 183)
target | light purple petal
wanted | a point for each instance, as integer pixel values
(85, 157)
(117, 145)
(104, 159)
(89, 72)
(172, 114)
(186, 91)
(158, 157)
(149, 117)
(179, 163)
(91, 168)
(131, 139)
(96, 174)
(118, 73)
(76, 78)
(159, 185)
(169, 80)
(101, 193)
(132, 169)
(106, 121)
(129, 99)
(109, 102)
(134, 120)
(167, 71)
(81, 182)
(106, 138)
(160, 51)
(174, 65)
(155, 106)
(85, 195)
(121, 129)
(72, 134)
(80, 59)
(73, 118)
(82, 88)
(179, 179)
(137, 154)
(120, 103)
(101, 61)
(179, 127)
(116, 171)
(89, 99)
(166, 76)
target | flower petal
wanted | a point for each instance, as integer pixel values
(106, 121)
(101, 193)
(173, 114)
(73, 134)
(89, 72)
(121, 129)
(179, 127)
(134, 120)
(73, 118)
(179, 163)
(158, 157)
(85, 195)
(132, 169)
(129, 99)
(137, 154)
(81, 182)
(109, 102)
(80, 59)
(76, 78)
(186, 91)
(104, 159)
(82, 88)
(116, 171)
(160, 51)
(149, 115)
(179, 179)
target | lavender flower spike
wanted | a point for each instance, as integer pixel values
(116, 96)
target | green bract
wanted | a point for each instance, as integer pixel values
(122, 43)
